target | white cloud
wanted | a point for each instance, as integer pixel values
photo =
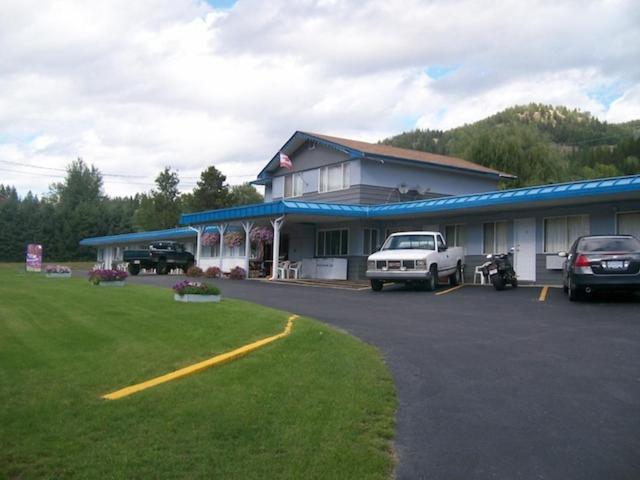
(132, 87)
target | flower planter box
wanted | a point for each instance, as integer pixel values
(58, 275)
(196, 298)
(116, 283)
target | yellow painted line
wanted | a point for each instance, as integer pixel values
(452, 289)
(200, 366)
(543, 293)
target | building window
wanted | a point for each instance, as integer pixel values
(332, 243)
(370, 241)
(207, 251)
(101, 254)
(495, 237)
(334, 177)
(118, 254)
(561, 232)
(629, 224)
(293, 185)
(455, 235)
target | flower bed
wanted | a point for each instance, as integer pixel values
(237, 273)
(188, 291)
(213, 272)
(57, 271)
(107, 277)
(194, 271)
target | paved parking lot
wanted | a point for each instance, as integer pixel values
(493, 385)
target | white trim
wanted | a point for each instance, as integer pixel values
(337, 229)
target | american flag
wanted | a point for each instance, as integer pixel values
(285, 161)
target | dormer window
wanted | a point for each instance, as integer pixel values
(334, 177)
(293, 185)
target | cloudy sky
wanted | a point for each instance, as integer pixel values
(132, 86)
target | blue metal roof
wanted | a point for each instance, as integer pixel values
(541, 193)
(596, 189)
(168, 234)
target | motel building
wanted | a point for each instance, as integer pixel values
(341, 198)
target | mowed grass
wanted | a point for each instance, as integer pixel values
(315, 404)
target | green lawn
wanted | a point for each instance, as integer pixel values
(315, 404)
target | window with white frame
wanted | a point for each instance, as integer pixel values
(494, 236)
(561, 232)
(332, 243)
(629, 224)
(455, 235)
(293, 185)
(334, 177)
(207, 251)
(371, 241)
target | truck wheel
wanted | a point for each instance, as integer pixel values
(514, 282)
(162, 268)
(498, 282)
(134, 269)
(456, 277)
(376, 285)
(432, 283)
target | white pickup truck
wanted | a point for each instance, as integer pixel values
(415, 257)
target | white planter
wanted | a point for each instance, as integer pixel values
(117, 283)
(58, 275)
(196, 298)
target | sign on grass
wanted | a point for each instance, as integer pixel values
(34, 257)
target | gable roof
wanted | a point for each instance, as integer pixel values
(360, 149)
(382, 150)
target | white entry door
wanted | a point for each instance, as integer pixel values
(525, 248)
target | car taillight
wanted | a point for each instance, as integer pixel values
(582, 261)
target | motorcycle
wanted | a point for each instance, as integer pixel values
(500, 270)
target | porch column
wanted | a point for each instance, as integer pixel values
(199, 230)
(221, 229)
(247, 244)
(276, 224)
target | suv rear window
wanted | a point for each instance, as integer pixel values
(609, 244)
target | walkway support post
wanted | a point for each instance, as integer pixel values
(247, 244)
(277, 225)
(199, 229)
(222, 227)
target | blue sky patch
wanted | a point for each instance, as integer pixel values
(221, 4)
(605, 94)
(436, 72)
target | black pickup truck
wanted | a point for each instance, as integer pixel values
(163, 256)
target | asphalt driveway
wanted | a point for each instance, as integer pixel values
(492, 385)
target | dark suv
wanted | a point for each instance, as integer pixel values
(601, 262)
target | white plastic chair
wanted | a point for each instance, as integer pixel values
(478, 271)
(283, 269)
(295, 268)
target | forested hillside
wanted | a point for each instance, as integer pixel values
(538, 143)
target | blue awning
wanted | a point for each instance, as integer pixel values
(569, 190)
(150, 236)
(594, 190)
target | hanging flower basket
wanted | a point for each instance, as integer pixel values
(261, 235)
(233, 239)
(210, 239)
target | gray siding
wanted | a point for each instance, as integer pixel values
(544, 276)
